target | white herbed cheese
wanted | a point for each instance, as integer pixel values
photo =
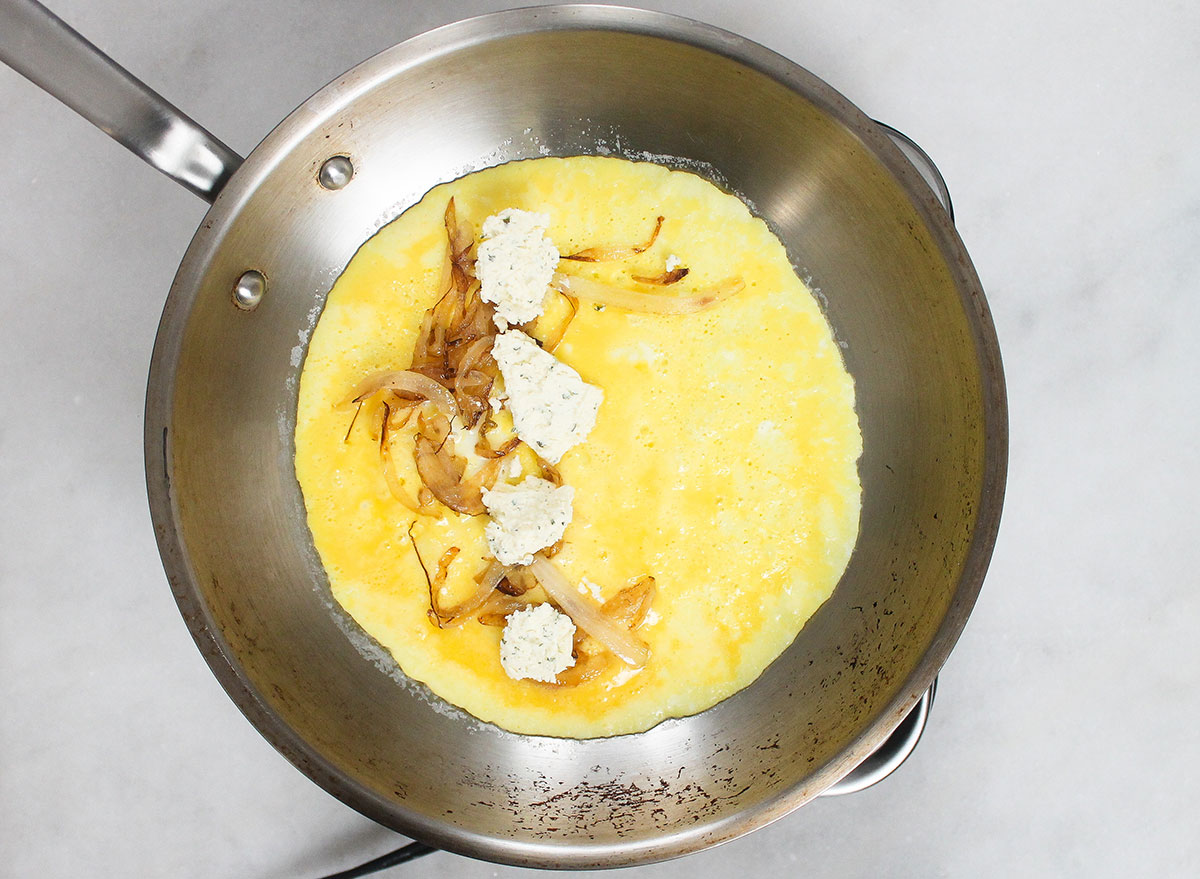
(536, 643)
(553, 409)
(672, 262)
(526, 517)
(515, 264)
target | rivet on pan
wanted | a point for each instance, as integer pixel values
(249, 290)
(336, 172)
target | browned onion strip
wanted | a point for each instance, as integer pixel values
(437, 349)
(644, 301)
(396, 487)
(380, 412)
(460, 277)
(587, 616)
(357, 411)
(406, 382)
(485, 477)
(446, 279)
(475, 374)
(475, 354)
(458, 234)
(471, 390)
(477, 321)
(518, 582)
(435, 429)
(666, 279)
(453, 369)
(421, 346)
(400, 417)
(460, 613)
(601, 254)
(630, 606)
(483, 450)
(444, 309)
(552, 341)
(442, 472)
(497, 609)
(550, 472)
(587, 666)
(428, 582)
(443, 567)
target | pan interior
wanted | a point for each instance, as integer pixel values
(898, 292)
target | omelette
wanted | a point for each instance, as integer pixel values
(720, 472)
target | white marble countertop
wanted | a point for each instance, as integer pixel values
(1065, 736)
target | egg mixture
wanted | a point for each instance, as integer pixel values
(723, 460)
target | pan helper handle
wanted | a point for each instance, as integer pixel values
(925, 167)
(47, 51)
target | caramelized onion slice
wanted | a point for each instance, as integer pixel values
(396, 487)
(587, 616)
(484, 449)
(475, 374)
(518, 582)
(476, 355)
(550, 472)
(458, 234)
(436, 429)
(601, 254)
(587, 666)
(357, 412)
(630, 606)
(552, 341)
(406, 382)
(443, 567)
(446, 280)
(435, 583)
(666, 279)
(442, 472)
(497, 609)
(421, 354)
(645, 301)
(461, 612)
(477, 319)
(400, 416)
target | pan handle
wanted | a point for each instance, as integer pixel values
(887, 758)
(47, 51)
(920, 160)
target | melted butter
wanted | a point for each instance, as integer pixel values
(723, 461)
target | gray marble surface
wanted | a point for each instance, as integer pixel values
(1065, 737)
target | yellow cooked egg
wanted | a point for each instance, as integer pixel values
(723, 461)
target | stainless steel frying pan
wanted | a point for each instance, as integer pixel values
(858, 221)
